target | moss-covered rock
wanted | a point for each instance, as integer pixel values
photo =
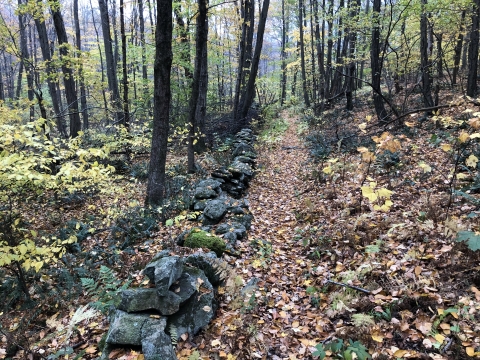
(201, 239)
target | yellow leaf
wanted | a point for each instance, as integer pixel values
(362, 127)
(377, 337)
(446, 147)
(463, 137)
(327, 170)
(470, 351)
(440, 338)
(471, 161)
(426, 168)
(409, 124)
(475, 135)
(368, 192)
(37, 265)
(385, 193)
(400, 353)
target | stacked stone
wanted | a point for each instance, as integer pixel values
(182, 301)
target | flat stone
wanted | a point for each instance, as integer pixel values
(156, 345)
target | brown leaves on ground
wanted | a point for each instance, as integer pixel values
(418, 299)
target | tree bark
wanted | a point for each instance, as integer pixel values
(250, 89)
(473, 51)
(424, 59)
(44, 47)
(301, 10)
(200, 48)
(162, 97)
(283, 75)
(377, 64)
(81, 82)
(109, 60)
(458, 49)
(126, 114)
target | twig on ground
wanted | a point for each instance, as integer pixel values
(349, 286)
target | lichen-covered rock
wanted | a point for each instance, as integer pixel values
(205, 193)
(126, 329)
(164, 272)
(201, 239)
(215, 210)
(135, 300)
(200, 205)
(245, 220)
(197, 312)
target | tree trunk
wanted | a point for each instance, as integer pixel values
(473, 52)
(283, 75)
(424, 59)
(162, 96)
(377, 64)
(110, 61)
(250, 89)
(83, 93)
(200, 47)
(102, 67)
(27, 62)
(126, 114)
(144, 52)
(328, 74)
(301, 11)
(350, 80)
(458, 49)
(43, 40)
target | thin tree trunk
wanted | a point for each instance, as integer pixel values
(110, 61)
(162, 96)
(377, 64)
(50, 71)
(126, 115)
(301, 11)
(458, 49)
(27, 62)
(424, 59)
(283, 75)
(83, 93)
(250, 89)
(473, 52)
(200, 47)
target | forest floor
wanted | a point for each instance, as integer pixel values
(351, 251)
(389, 282)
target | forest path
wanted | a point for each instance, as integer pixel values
(278, 321)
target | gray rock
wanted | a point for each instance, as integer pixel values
(149, 299)
(200, 205)
(126, 329)
(245, 220)
(156, 345)
(245, 159)
(238, 168)
(162, 254)
(211, 183)
(242, 148)
(234, 227)
(180, 239)
(215, 210)
(231, 238)
(197, 312)
(222, 174)
(206, 263)
(205, 193)
(186, 286)
(164, 272)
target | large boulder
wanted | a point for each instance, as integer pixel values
(197, 312)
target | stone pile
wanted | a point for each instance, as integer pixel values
(181, 302)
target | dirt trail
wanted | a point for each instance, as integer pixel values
(278, 322)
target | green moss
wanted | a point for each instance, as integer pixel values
(201, 239)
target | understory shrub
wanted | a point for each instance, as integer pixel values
(133, 225)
